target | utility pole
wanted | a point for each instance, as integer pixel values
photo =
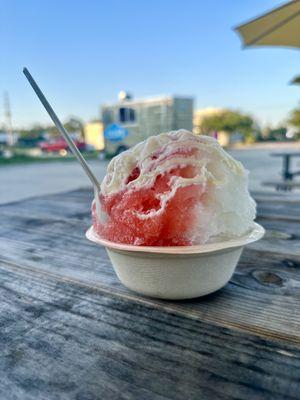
(7, 113)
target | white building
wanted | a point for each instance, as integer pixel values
(7, 139)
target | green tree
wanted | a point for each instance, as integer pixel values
(229, 121)
(33, 133)
(73, 124)
(294, 119)
(278, 134)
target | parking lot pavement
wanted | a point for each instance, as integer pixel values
(22, 181)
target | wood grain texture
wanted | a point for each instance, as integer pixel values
(282, 197)
(280, 211)
(71, 330)
(61, 340)
(262, 297)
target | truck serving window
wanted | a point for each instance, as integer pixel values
(126, 114)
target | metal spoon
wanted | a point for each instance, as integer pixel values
(66, 136)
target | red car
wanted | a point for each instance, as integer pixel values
(60, 145)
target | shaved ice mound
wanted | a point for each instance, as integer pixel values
(174, 189)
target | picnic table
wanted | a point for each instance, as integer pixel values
(286, 183)
(287, 174)
(70, 330)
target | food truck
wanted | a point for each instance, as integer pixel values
(130, 121)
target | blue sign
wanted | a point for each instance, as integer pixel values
(115, 133)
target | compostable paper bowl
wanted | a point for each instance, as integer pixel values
(181, 272)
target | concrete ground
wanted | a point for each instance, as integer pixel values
(28, 180)
(22, 181)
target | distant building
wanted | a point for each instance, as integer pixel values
(7, 139)
(224, 138)
(93, 134)
(141, 118)
(202, 113)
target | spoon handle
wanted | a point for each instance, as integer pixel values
(62, 130)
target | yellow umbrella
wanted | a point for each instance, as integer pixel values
(295, 80)
(278, 27)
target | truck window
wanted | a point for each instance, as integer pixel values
(126, 114)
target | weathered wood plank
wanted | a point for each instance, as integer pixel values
(282, 197)
(41, 212)
(282, 236)
(75, 204)
(262, 297)
(274, 205)
(278, 210)
(61, 340)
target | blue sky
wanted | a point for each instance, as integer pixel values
(83, 52)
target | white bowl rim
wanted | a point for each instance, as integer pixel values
(254, 234)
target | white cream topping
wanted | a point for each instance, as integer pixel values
(140, 155)
(226, 206)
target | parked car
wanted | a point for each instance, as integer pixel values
(60, 146)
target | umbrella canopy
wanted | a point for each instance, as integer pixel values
(295, 80)
(279, 27)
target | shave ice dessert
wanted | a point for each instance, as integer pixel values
(174, 189)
